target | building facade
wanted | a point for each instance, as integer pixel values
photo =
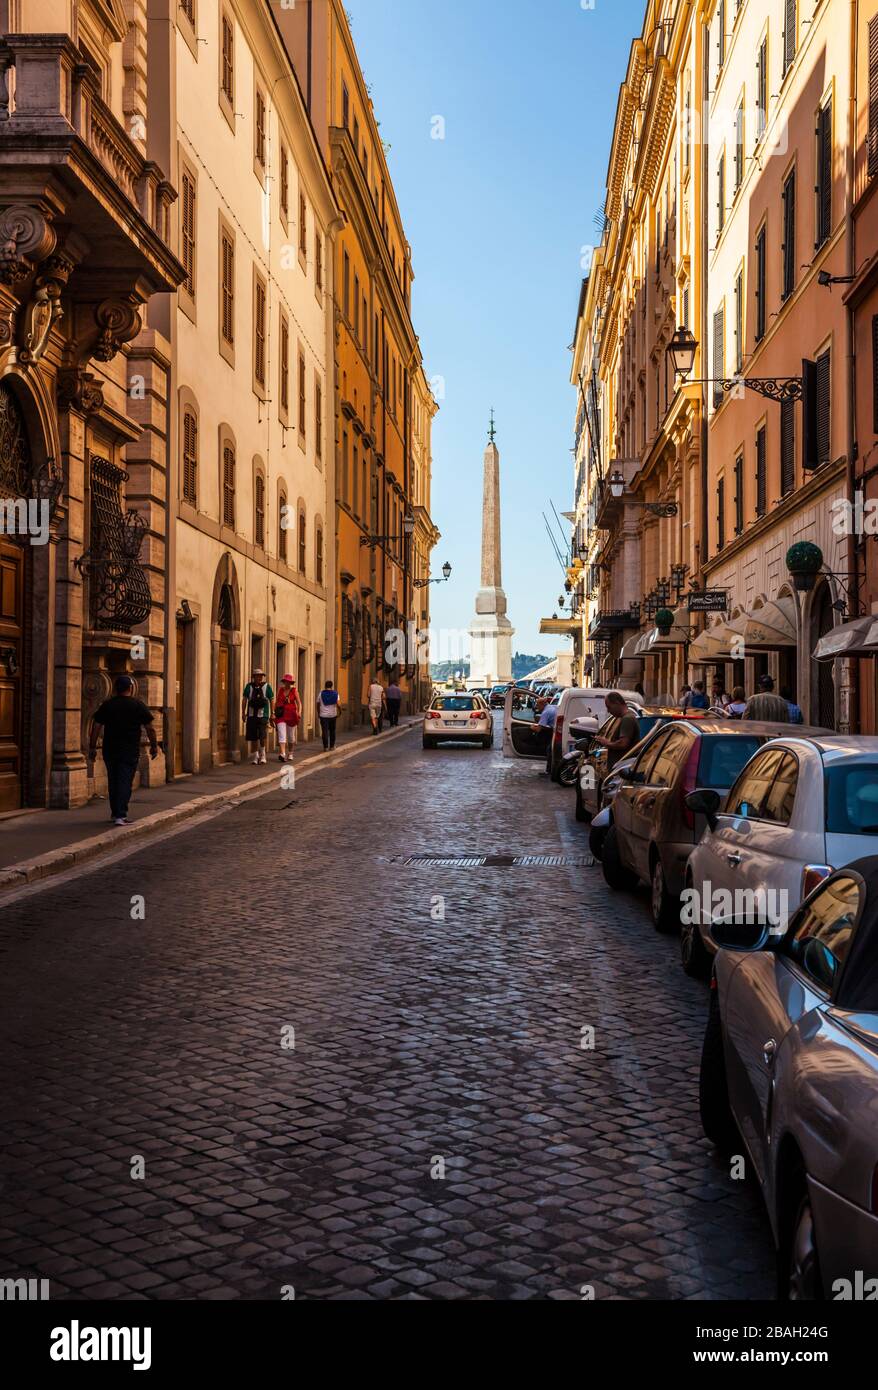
(251, 327)
(85, 248)
(377, 369)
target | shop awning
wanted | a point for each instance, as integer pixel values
(560, 627)
(629, 651)
(653, 642)
(856, 638)
(712, 645)
(770, 628)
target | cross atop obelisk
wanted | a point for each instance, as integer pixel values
(492, 432)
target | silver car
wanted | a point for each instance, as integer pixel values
(790, 1067)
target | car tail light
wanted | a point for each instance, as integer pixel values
(689, 782)
(812, 874)
(559, 725)
(478, 714)
(431, 714)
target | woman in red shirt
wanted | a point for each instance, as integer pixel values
(287, 713)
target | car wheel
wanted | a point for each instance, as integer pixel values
(803, 1282)
(717, 1120)
(615, 873)
(665, 907)
(581, 813)
(487, 743)
(694, 955)
(429, 743)
(596, 840)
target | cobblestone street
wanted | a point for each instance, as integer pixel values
(421, 1044)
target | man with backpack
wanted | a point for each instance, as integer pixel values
(327, 713)
(256, 713)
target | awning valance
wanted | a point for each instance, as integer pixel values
(770, 628)
(712, 645)
(629, 651)
(856, 638)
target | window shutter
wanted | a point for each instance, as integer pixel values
(190, 457)
(229, 486)
(824, 441)
(259, 528)
(721, 514)
(719, 365)
(789, 33)
(739, 322)
(762, 89)
(787, 447)
(739, 494)
(824, 174)
(789, 235)
(873, 95)
(760, 286)
(188, 229)
(760, 472)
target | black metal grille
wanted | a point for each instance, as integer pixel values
(119, 592)
(15, 461)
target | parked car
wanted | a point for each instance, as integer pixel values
(594, 769)
(654, 829)
(498, 695)
(790, 1066)
(458, 719)
(577, 703)
(806, 804)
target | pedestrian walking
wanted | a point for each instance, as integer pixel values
(377, 701)
(327, 712)
(766, 705)
(121, 717)
(256, 714)
(394, 703)
(696, 698)
(287, 717)
(796, 715)
(739, 703)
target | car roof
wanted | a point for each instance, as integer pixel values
(737, 727)
(833, 747)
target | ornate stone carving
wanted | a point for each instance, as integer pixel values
(44, 308)
(25, 239)
(118, 322)
(79, 390)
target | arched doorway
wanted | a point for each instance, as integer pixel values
(226, 645)
(823, 682)
(15, 484)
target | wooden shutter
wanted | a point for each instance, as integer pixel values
(789, 33)
(188, 233)
(739, 494)
(259, 526)
(824, 174)
(760, 472)
(824, 379)
(281, 525)
(760, 285)
(228, 289)
(721, 514)
(787, 447)
(873, 95)
(721, 193)
(739, 147)
(762, 89)
(789, 235)
(318, 419)
(259, 334)
(229, 486)
(190, 457)
(739, 322)
(719, 364)
(284, 366)
(302, 429)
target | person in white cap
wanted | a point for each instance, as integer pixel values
(256, 713)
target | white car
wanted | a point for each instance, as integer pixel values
(576, 704)
(458, 719)
(804, 804)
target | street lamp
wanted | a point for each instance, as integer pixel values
(446, 575)
(617, 488)
(408, 530)
(682, 348)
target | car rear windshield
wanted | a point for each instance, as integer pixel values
(852, 800)
(455, 702)
(647, 722)
(722, 758)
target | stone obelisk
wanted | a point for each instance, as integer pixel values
(491, 632)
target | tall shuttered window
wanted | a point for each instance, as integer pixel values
(302, 427)
(284, 366)
(789, 34)
(824, 417)
(719, 355)
(789, 234)
(721, 194)
(739, 145)
(762, 89)
(873, 96)
(318, 419)
(282, 527)
(761, 491)
(228, 288)
(318, 555)
(760, 286)
(739, 322)
(721, 514)
(259, 123)
(823, 225)
(190, 457)
(739, 494)
(303, 543)
(259, 332)
(187, 228)
(227, 66)
(259, 509)
(284, 182)
(229, 486)
(721, 32)
(787, 447)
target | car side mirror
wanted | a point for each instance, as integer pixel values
(704, 801)
(742, 936)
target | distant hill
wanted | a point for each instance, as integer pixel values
(522, 665)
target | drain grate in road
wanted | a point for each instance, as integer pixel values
(499, 861)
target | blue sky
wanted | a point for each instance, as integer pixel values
(497, 214)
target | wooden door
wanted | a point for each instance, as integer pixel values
(11, 663)
(222, 701)
(181, 698)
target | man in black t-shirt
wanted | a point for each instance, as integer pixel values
(121, 717)
(627, 733)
